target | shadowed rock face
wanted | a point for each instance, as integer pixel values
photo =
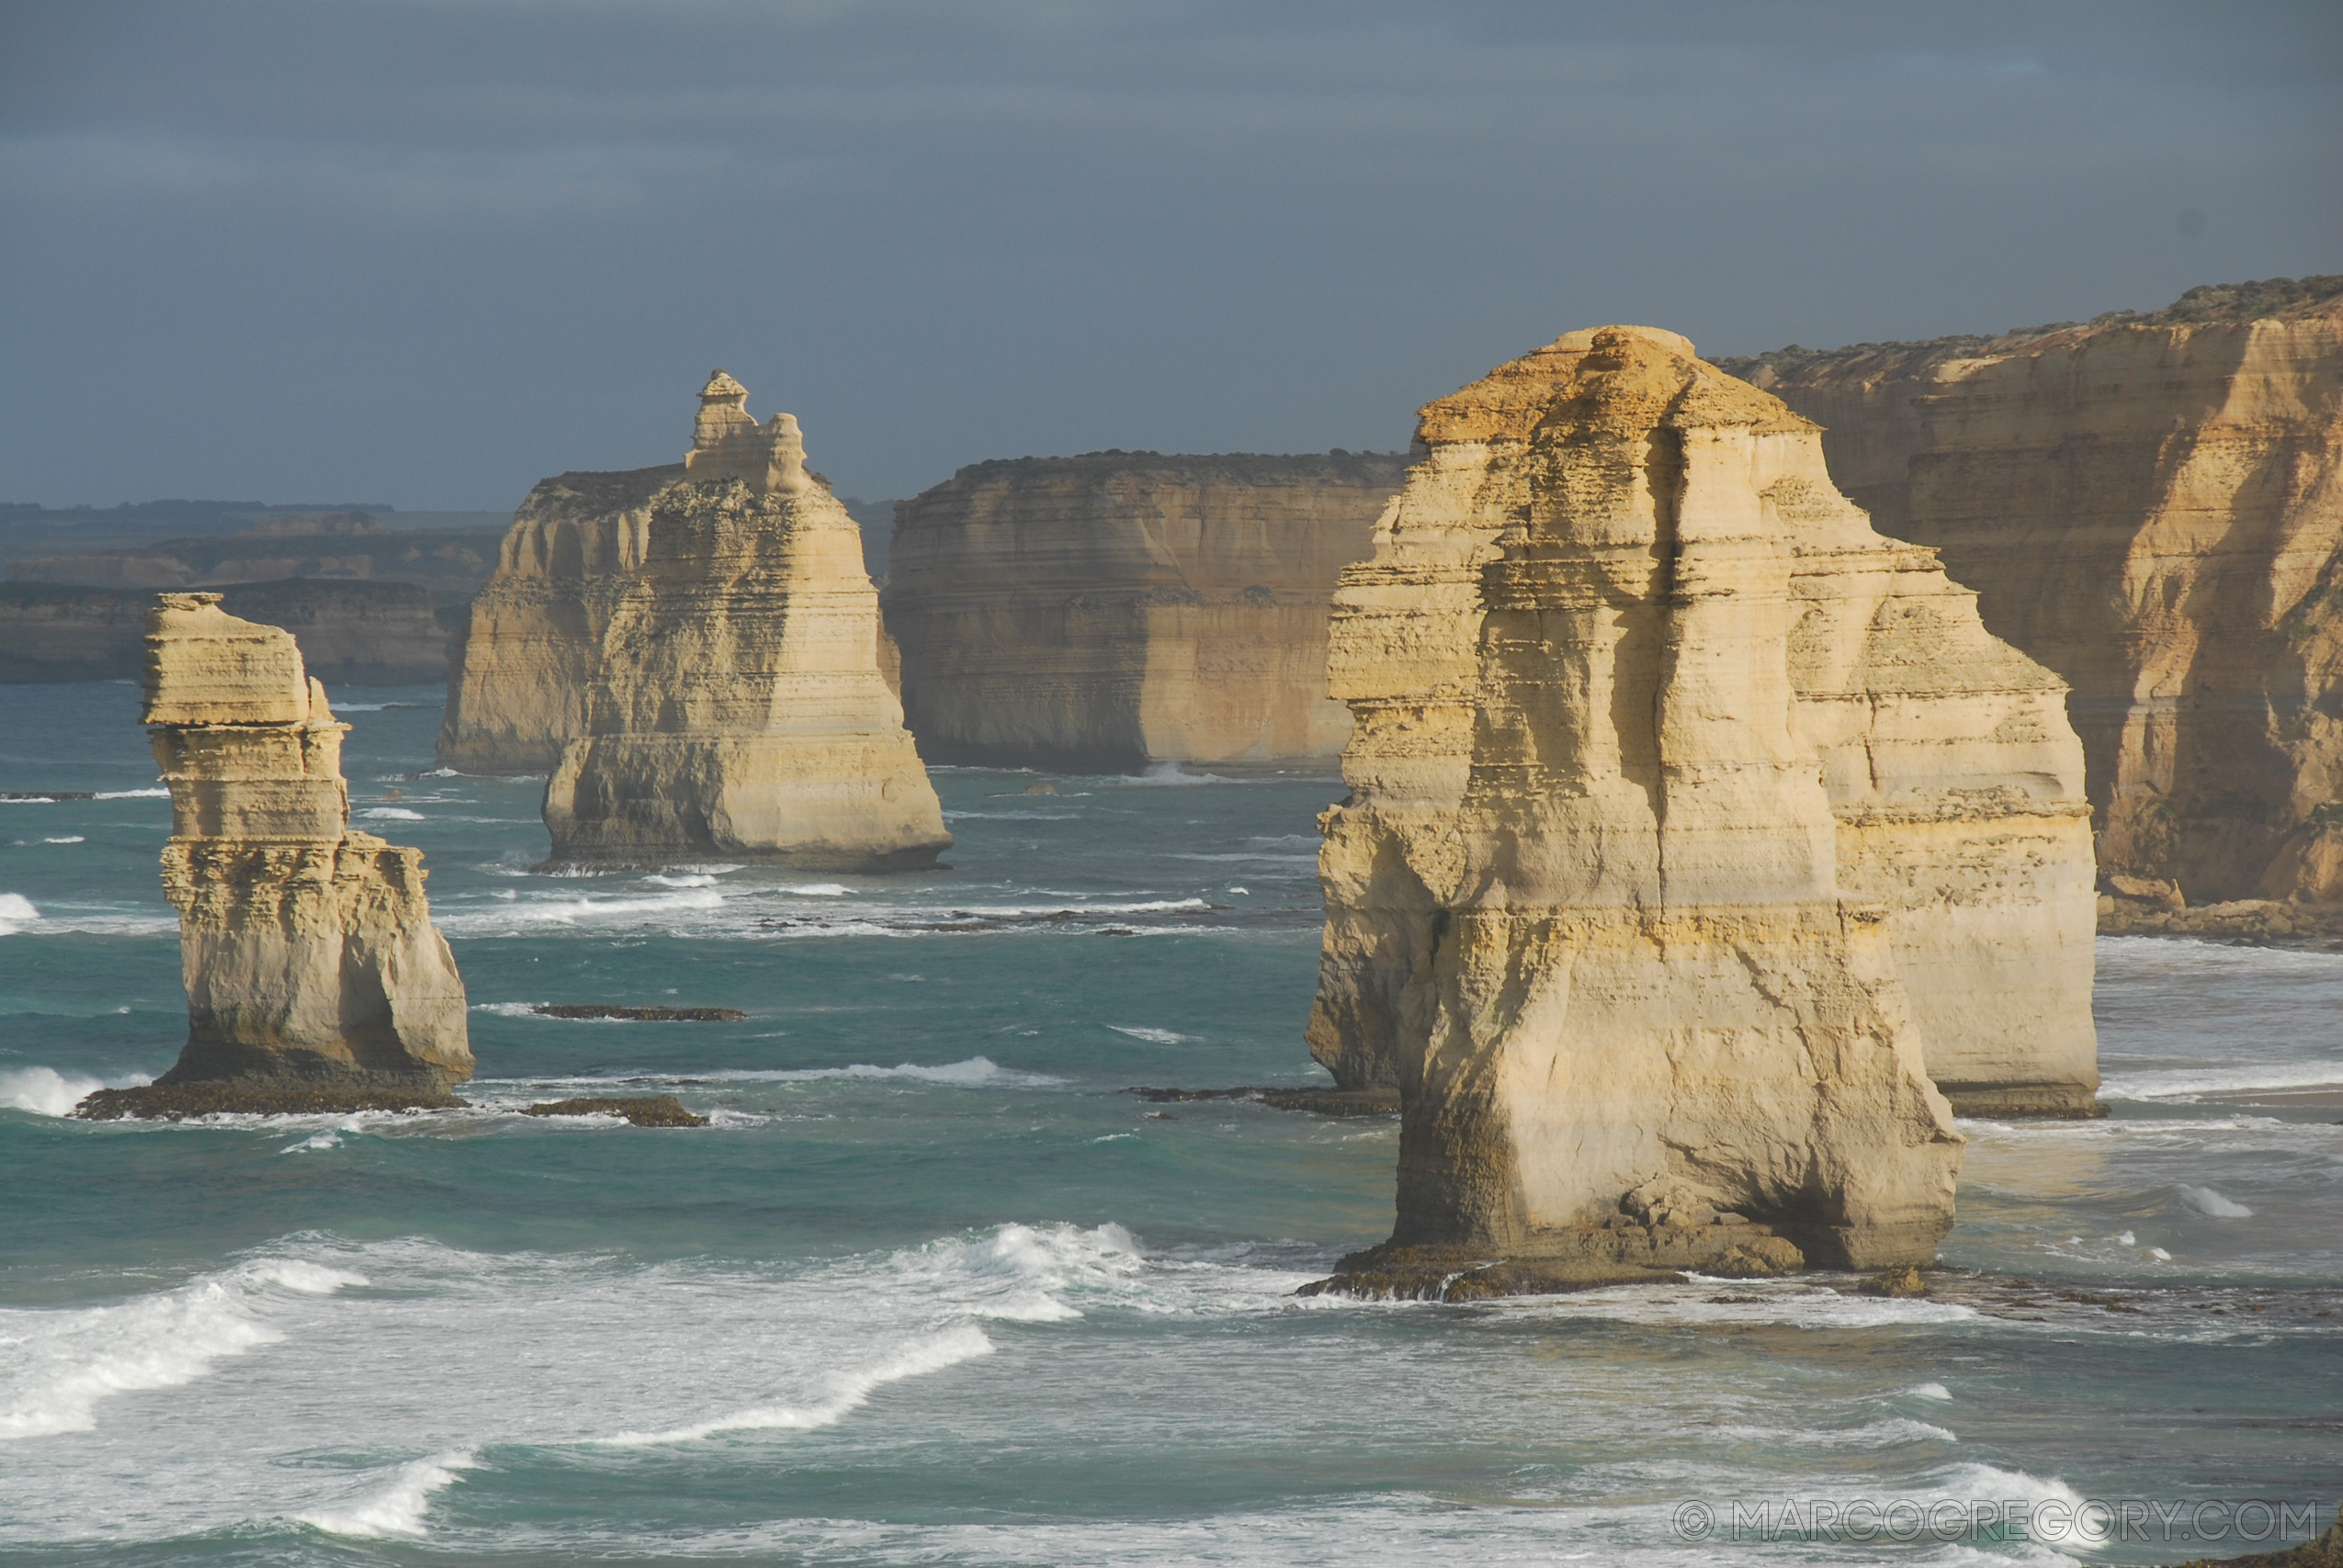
(1663, 764)
(2153, 507)
(1123, 608)
(307, 948)
(736, 707)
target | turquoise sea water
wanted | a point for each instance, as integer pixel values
(933, 1288)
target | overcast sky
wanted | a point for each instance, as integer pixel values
(424, 253)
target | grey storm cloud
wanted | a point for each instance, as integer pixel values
(423, 253)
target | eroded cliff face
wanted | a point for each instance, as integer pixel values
(517, 679)
(2153, 507)
(1118, 609)
(312, 964)
(1684, 808)
(1954, 780)
(737, 708)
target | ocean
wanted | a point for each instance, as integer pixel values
(933, 1287)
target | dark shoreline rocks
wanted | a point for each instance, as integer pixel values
(642, 1110)
(179, 1102)
(1579, 1260)
(640, 1015)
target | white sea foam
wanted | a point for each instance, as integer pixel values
(819, 890)
(44, 1091)
(1170, 773)
(847, 1393)
(686, 879)
(67, 838)
(64, 1361)
(395, 1505)
(1928, 1390)
(17, 912)
(580, 911)
(2205, 1200)
(2198, 1082)
(392, 813)
(133, 794)
(1152, 1036)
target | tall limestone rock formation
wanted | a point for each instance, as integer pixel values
(737, 709)
(1952, 777)
(517, 676)
(1119, 609)
(1687, 813)
(2152, 505)
(316, 979)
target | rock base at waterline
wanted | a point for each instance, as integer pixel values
(179, 1102)
(1573, 1260)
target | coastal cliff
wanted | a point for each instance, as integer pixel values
(1118, 609)
(2151, 505)
(518, 672)
(737, 708)
(1633, 998)
(350, 632)
(1954, 781)
(316, 979)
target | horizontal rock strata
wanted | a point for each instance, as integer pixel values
(314, 976)
(2151, 505)
(1954, 780)
(737, 709)
(1663, 762)
(1110, 611)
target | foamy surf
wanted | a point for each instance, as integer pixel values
(396, 1505)
(64, 1361)
(17, 912)
(45, 1091)
(850, 1392)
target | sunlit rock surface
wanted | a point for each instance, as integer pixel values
(313, 972)
(1684, 808)
(2152, 505)
(736, 706)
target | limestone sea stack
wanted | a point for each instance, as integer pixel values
(1125, 608)
(737, 708)
(1662, 760)
(1953, 778)
(519, 673)
(315, 978)
(2152, 505)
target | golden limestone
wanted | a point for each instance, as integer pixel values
(1691, 826)
(316, 979)
(735, 706)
